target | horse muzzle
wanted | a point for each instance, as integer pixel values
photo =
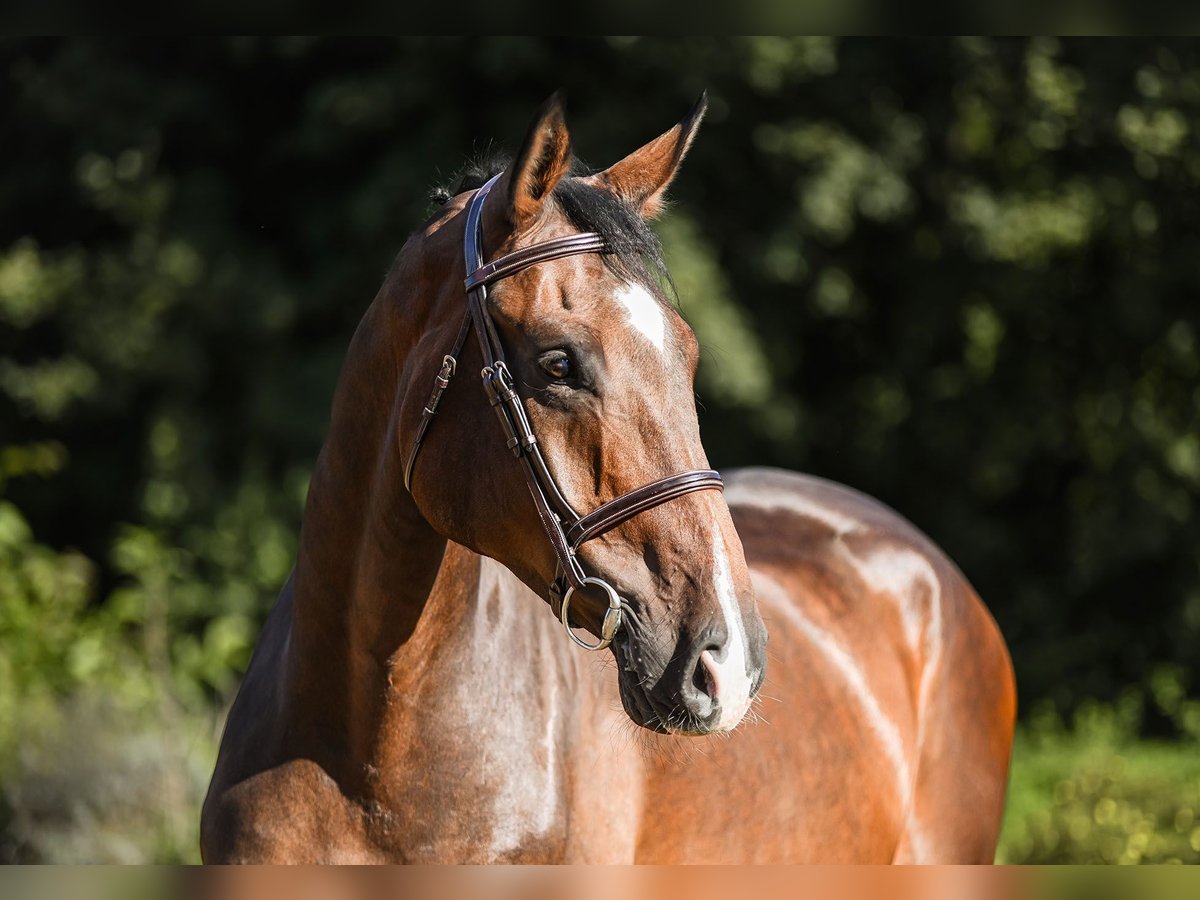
(696, 692)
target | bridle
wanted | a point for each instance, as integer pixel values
(566, 529)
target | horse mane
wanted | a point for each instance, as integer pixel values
(636, 252)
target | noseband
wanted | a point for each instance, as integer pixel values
(566, 529)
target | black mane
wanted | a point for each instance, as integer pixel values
(635, 253)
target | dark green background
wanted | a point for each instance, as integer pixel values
(960, 275)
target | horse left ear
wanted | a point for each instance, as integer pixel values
(544, 159)
(643, 176)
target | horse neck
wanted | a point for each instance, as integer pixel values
(367, 560)
(375, 590)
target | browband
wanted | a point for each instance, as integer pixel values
(514, 262)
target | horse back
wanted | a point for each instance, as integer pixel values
(916, 672)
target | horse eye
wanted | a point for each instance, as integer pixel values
(557, 366)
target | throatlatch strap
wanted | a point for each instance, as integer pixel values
(441, 381)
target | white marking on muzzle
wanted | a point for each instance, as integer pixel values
(645, 314)
(731, 681)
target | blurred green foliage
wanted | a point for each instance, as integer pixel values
(960, 275)
(1094, 794)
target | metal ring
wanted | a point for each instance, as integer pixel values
(612, 615)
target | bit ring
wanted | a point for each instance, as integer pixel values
(612, 615)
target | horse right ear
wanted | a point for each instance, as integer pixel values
(643, 176)
(544, 158)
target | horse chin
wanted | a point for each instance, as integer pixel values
(638, 708)
(629, 681)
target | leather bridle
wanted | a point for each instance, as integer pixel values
(565, 528)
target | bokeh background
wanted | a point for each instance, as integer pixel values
(960, 275)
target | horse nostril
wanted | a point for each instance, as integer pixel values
(701, 695)
(707, 678)
(718, 686)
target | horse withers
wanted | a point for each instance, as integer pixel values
(413, 699)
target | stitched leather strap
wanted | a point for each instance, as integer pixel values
(622, 509)
(514, 262)
(441, 381)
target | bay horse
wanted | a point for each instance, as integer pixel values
(411, 699)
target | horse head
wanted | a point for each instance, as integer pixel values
(596, 403)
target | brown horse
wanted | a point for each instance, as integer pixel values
(411, 697)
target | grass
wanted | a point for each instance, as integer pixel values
(1093, 794)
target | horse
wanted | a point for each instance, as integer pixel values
(411, 698)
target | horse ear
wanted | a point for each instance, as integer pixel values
(642, 177)
(545, 158)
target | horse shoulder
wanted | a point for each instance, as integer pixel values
(266, 805)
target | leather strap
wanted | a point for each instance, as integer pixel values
(617, 511)
(514, 262)
(441, 381)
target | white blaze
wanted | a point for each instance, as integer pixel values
(645, 314)
(731, 678)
